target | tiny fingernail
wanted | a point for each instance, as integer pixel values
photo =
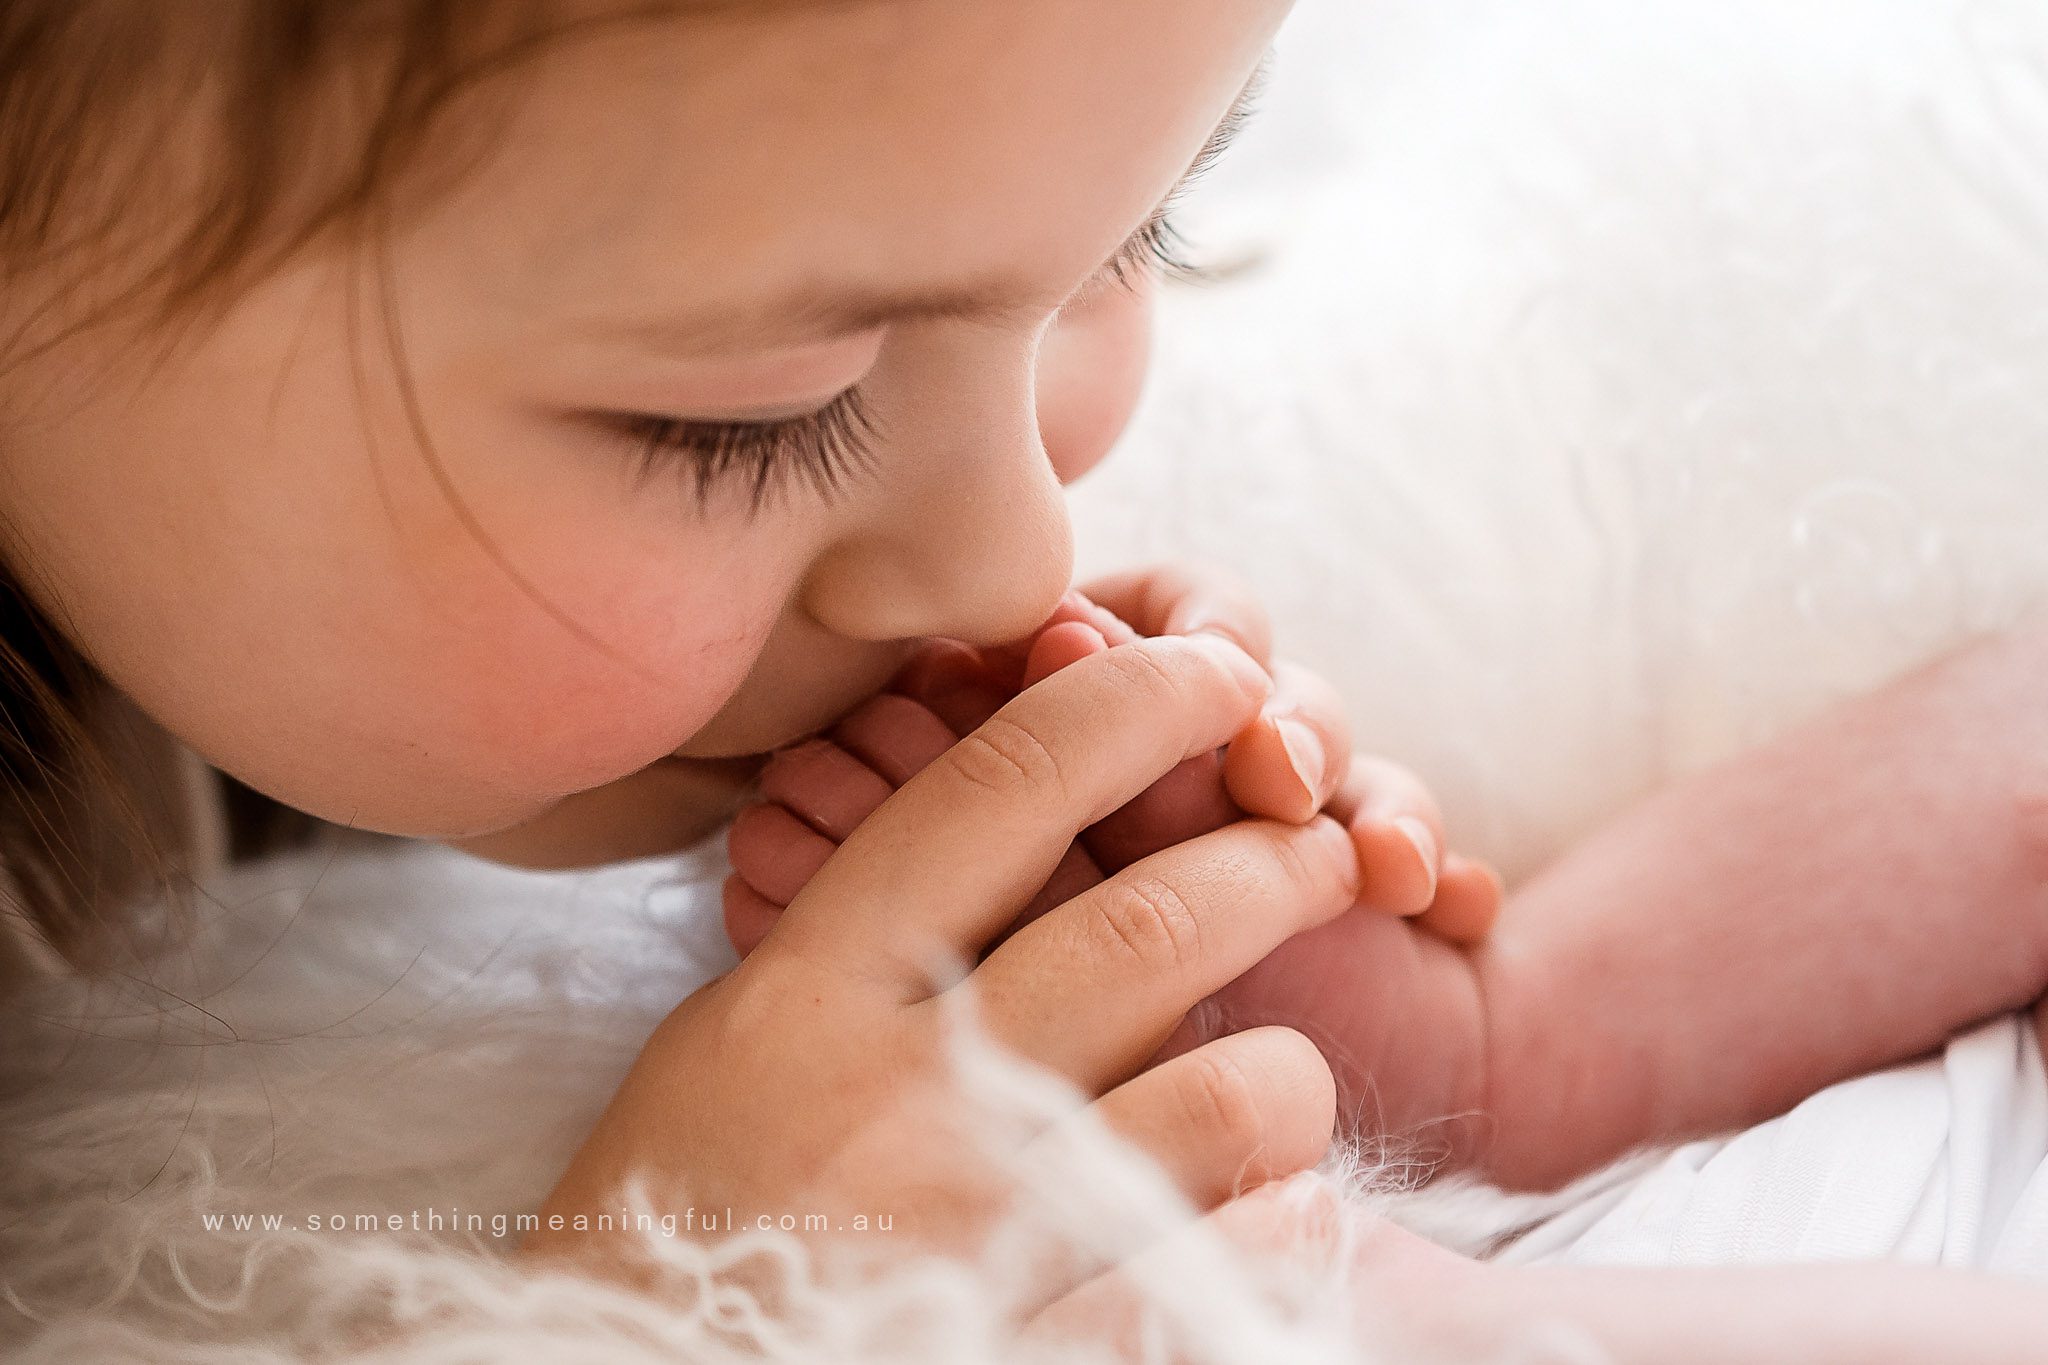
(1304, 754)
(1419, 834)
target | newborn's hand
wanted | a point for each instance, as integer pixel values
(1388, 991)
(1292, 762)
(1404, 859)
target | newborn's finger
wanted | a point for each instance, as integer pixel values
(1060, 645)
(1467, 904)
(1184, 599)
(749, 915)
(1301, 1233)
(1399, 833)
(957, 685)
(895, 736)
(774, 852)
(1290, 763)
(1008, 663)
(824, 786)
(1136, 953)
(1185, 804)
(1230, 1115)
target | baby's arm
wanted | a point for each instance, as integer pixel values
(1416, 1302)
(1845, 1314)
(1843, 899)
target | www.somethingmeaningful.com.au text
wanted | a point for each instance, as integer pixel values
(689, 1221)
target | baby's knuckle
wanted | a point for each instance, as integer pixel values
(1007, 759)
(1151, 922)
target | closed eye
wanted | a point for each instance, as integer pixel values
(825, 450)
(1157, 250)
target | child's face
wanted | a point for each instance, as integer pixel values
(737, 216)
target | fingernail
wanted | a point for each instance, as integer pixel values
(1419, 834)
(1342, 847)
(1242, 666)
(1304, 754)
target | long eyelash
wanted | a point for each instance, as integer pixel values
(827, 450)
(1158, 247)
(1154, 249)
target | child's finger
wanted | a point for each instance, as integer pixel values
(749, 915)
(774, 852)
(1135, 954)
(1290, 762)
(1237, 1112)
(1006, 802)
(1399, 832)
(1467, 904)
(824, 786)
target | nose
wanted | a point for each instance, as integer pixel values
(967, 535)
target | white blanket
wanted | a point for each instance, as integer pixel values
(407, 1031)
(1940, 1162)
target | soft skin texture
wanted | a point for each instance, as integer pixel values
(250, 539)
(833, 1035)
(1415, 903)
(449, 615)
(1418, 1303)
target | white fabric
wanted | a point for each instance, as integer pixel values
(1939, 1162)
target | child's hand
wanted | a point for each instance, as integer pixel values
(1294, 761)
(1392, 817)
(814, 1080)
(1356, 985)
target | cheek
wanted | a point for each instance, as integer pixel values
(262, 558)
(1091, 368)
(466, 704)
(623, 659)
(609, 631)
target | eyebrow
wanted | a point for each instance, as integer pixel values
(805, 315)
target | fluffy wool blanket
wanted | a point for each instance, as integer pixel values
(1655, 372)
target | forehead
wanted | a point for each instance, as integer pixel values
(713, 155)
